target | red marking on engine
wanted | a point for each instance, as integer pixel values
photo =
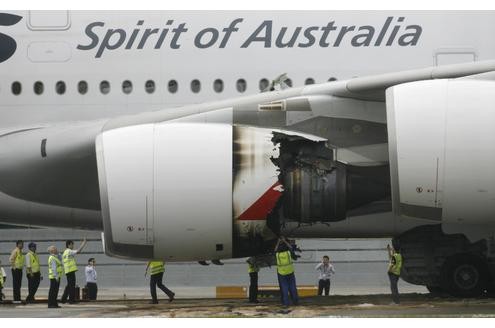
(264, 205)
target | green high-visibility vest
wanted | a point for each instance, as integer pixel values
(19, 259)
(1, 279)
(284, 263)
(51, 274)
(395, 268)
(69, 261)
(35, 262)
(253, 268)
(157, 267)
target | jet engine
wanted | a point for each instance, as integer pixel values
(195, 191)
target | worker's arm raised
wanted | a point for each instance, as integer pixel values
(390, 252)
(146, 270)
(79, 250)
(286, 242)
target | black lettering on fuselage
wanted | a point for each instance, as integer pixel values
(94, 38)
(267, 39)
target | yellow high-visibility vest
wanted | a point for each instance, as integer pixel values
(253, 268)
(60, 271)
(69, 261)
(395, 268)
(284, 263)
(157, 267)
(35, 262)
(1, 279)
(19, 259)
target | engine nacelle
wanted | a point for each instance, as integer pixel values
(197, 191)
(442, 150)
(189, 191)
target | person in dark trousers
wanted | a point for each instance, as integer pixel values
(17, 264)
(70, 269)
(253, 270)
(394, 267)
(32, 272)
(55, 272)
(285, 272)
(90, 272)
(325, 269)
(156, 270)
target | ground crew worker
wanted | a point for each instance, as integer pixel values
(3, 277)
(253, 270)
(90, 273)
(156, 270)
(33, 272)
(70, 269)
(394, 267)
(17, 264)
(325, 269)
(55, 271)
(285, 272)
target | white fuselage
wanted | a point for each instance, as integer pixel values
(96, 46)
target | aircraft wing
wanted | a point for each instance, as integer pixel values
(361, 88)
(373, 87)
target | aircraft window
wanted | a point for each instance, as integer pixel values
(82, 87)
(127, 87)
(149, 86)
(332, 79)
(264, 84)
(38, 87)
(195, 86)
(16, 88)
(288, 82)
(309, 80)
(218, 85)
(241, 85)
(104, 87)
(173, 86)
(60, 87)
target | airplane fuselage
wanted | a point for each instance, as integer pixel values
(86, 65)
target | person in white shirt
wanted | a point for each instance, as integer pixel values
(325, 269)
(90, 272)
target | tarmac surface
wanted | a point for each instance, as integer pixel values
(334, 306)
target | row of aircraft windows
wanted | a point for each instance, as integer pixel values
(149, 86)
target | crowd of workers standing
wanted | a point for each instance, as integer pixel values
(64, 264)
(59, 265)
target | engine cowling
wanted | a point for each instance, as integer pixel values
(442, 150)
(189, 191)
